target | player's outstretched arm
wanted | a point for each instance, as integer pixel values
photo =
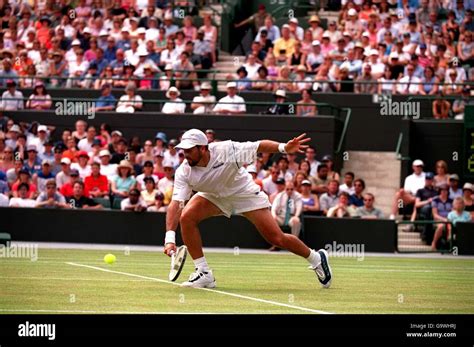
(295, 145)
(173, 213)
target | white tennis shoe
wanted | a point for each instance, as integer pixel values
(200, 279)
(323, 270)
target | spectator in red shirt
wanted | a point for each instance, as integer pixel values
(67, 188)
(24, 177)
(96, 184)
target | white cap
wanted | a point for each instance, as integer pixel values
(76, 42)
(305, 182)
(374, 52)
(141, 30)
(116, 132)
(285, 26)
(280, 92)
(251, 169)
(142, 52)
(167, 163)
(468, 186)
(173, 90)
(168, 16)
(294, 20)
(66, 161)
(191, 138)
(103, 32)
(43, 128)
(135, 19)
(125, 29)
(104, 153)
(352, 12)
(231, 85)
(346, 33)
(365, 34)
(326, 35)
(206, 85)
(87, 30)
(15, 128)
(316, 43)
(393, 55)
(168, 67)
(418, 162)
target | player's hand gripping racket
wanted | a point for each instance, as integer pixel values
(177, 262)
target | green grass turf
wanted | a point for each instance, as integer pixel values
(374, 285)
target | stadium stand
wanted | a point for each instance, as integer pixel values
(112, 85)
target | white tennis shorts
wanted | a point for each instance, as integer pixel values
(238, 204)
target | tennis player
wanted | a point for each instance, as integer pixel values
(215, 171)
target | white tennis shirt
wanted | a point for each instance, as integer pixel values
(223, 176)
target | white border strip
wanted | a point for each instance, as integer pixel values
(275, 303)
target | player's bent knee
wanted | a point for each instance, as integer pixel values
(188, 217)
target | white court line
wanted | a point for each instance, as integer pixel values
(100, 312)
(206, 289)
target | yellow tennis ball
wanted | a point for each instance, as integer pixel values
(109, 258)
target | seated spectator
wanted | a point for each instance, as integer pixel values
(39, 99)
(97, 184)
(23, 197)
(468, 190)
(12, 99)
(166, 183)
(348, 185)
(459, 104)
(24, 176)
(7, 161)
(106, 168)
(406, 195)
(280, 106)
(368, 211)
(367, 84)
(285, 45)
(130, 102)
(357, 198)
(232, 103)
(243, 81)
(204, 102)
(270, 182)
(67, 188)
(283, 167)
(453, 83)
(82, 165)
(306, 106)
(321, 179)
(261, 80)
(429, 81)
(458, 214)
(315, 57)
(454, 190)
(441, 205)
(342, 208)
(442, 175)
(124, 181)
(441, 107)
(120, 151)
(62, 177)
(409, 83)
(185, 72)
(310, 200)
(134, 202)
(272, 67)
(284, 81)
(85, 145)
(386, 82)
(147, 172)
(331, 197)
(149, 192)
(4, 200)
(51, 198)
(79, 200)
(465, 47)
(332, 174)
(175, 105)
(43, 176)
(287, 208)
(106, 101)
(424, 198)
(159, 204)
(148, 80)
(301, 81)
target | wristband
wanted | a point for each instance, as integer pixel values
(281, 148)
(170, 237)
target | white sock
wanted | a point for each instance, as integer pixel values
(201, 264)
(314, 258)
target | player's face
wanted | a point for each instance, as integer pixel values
(193, 155)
